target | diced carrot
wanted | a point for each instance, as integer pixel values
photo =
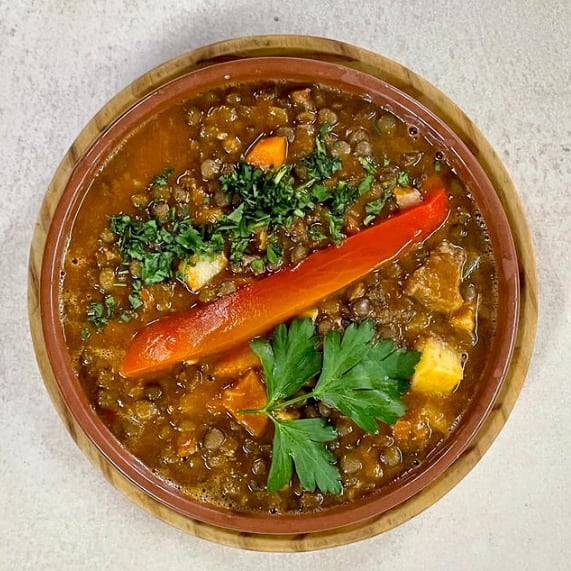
(186, 444)
(248, 393)
(402, 430)
(236, 363)
(268, 152)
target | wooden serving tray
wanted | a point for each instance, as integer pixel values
(428, 95)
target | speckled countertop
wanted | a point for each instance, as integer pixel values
(506, 63)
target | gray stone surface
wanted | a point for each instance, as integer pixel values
(507, 63)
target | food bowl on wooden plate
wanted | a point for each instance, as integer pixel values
(276, 296)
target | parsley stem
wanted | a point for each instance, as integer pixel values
(269, 408)
(291, 402)
(253, 411)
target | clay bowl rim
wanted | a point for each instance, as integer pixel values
(310, 71)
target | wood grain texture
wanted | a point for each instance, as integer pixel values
(401, 77)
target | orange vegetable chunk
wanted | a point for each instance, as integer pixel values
(249, 392)
(235, 363)
(268, 152)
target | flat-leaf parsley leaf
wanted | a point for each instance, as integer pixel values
(301, 442)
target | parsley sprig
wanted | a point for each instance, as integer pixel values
(361, 377)
(290, 360)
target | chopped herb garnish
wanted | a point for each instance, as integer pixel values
(342, 197)
(367, 182)
(258, 265)
(368, 165)
(135, 300)
(274, 252)
(156, 244)
(437, 166)
(320, 164)
(315, 234)
(266, 199)
(374, 208)
(162, 178)
(99, 314)
(320, 192)
(157, 267)
(336, 223)
(403, 179)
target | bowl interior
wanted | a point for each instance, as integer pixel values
(410, 111)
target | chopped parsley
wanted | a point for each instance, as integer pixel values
(403, 179)
(162, 179)
(374, 208)
(99, 314)
(320, 164)
(156, 244)
(270, 201)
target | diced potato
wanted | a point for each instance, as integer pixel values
(407, 197)
(464, 319)
(437, 283)
(439, 369)
(198, 271)
(310, 313)
(436, 418)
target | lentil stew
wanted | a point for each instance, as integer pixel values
(180, 217)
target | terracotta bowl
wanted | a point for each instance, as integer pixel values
(301, 70)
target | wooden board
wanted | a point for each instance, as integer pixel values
(403, 78)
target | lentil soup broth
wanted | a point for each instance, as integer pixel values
(173, 420)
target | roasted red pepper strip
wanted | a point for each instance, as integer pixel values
(256, 308)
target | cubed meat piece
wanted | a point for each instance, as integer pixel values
(437, 283)
(302, 98)
(199, 270)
